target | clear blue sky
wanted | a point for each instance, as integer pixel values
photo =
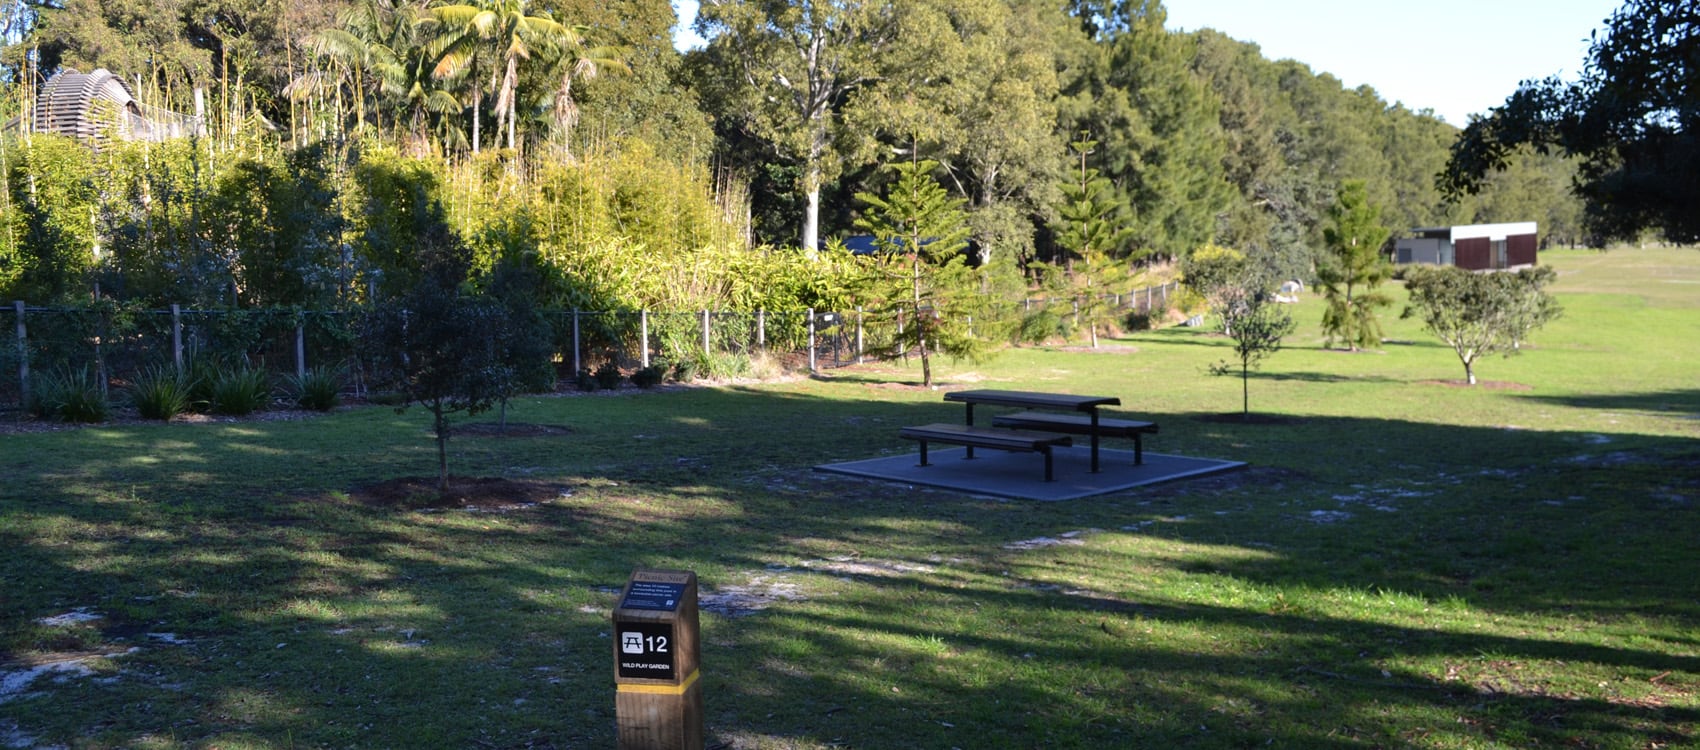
(1456, 57)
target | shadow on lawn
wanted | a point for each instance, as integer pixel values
(1658, 402)
(441, 629)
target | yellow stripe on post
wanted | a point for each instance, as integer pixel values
(678, 689)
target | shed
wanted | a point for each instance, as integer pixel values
(99, 106)
(1476, 247)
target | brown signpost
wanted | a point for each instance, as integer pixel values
(657, 690)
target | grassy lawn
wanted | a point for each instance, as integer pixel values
(1406, 563)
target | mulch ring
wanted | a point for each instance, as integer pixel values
(1486, 385)
(463, 493)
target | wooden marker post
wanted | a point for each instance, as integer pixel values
(657, 690)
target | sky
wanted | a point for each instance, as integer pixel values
(1455, 57)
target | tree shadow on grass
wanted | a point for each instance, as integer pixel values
(1675, 401)
(395, 624)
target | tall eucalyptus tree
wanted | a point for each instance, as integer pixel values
(799, 65)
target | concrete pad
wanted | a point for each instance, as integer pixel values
(1022, 475)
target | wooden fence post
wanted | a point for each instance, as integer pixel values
(858, 334)
(812, 368)
(761, 329)
(902, 348)
(577, 367)
(643, 330)
(300, 345)
(23, 357)
(705, 337)
(177, 336)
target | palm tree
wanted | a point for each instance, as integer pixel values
(578, 61)
(507, 28)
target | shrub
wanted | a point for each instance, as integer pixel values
(608, 375)
(687, 369)
(238, 392)
(199, 375)
(1041, 325)
(387, 398)
(73, 396)
(319, 389)
(585, 381)
(160, 393)
(650, 376)
(725, 365)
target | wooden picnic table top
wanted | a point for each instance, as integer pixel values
(1032, 399)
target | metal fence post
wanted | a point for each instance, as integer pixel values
(705, 337)
(577, 367)
(643, 330)
(761, 329)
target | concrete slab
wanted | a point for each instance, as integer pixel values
(1022, 475)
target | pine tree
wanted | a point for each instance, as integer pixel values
(921, 233)
(1354, 267)
(1088, 228)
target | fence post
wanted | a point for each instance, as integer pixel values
(761, 329)
(177, 336)
(577, 367)
(705, 337)
(643, 330)
(99, 355)
(23, 357)
(858, 334)
(300, 345)
(812, 368)
(902, 347)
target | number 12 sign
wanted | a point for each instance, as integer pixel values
(646, 650)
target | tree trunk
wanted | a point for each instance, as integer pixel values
(442, 425)
(811, 223)
(1245, 391)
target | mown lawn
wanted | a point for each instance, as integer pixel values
(1406, 563)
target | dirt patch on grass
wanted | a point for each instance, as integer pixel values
(511, 430)
(463, 493)
(761, 592)
(1486, 385)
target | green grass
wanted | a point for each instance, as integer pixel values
(1406, 563)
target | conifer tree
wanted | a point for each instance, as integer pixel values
(1089, 229)
(1354, 266)
(922, 233)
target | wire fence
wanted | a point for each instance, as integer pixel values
(114, 344)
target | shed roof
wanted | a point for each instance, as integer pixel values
(99, 105)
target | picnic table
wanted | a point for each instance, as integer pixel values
(1037, 400)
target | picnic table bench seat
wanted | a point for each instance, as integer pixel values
(1080, 424)
(997, 438)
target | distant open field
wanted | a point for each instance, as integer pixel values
(1405, 563)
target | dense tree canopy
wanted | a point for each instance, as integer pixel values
(1633, 120)
(619, 161)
